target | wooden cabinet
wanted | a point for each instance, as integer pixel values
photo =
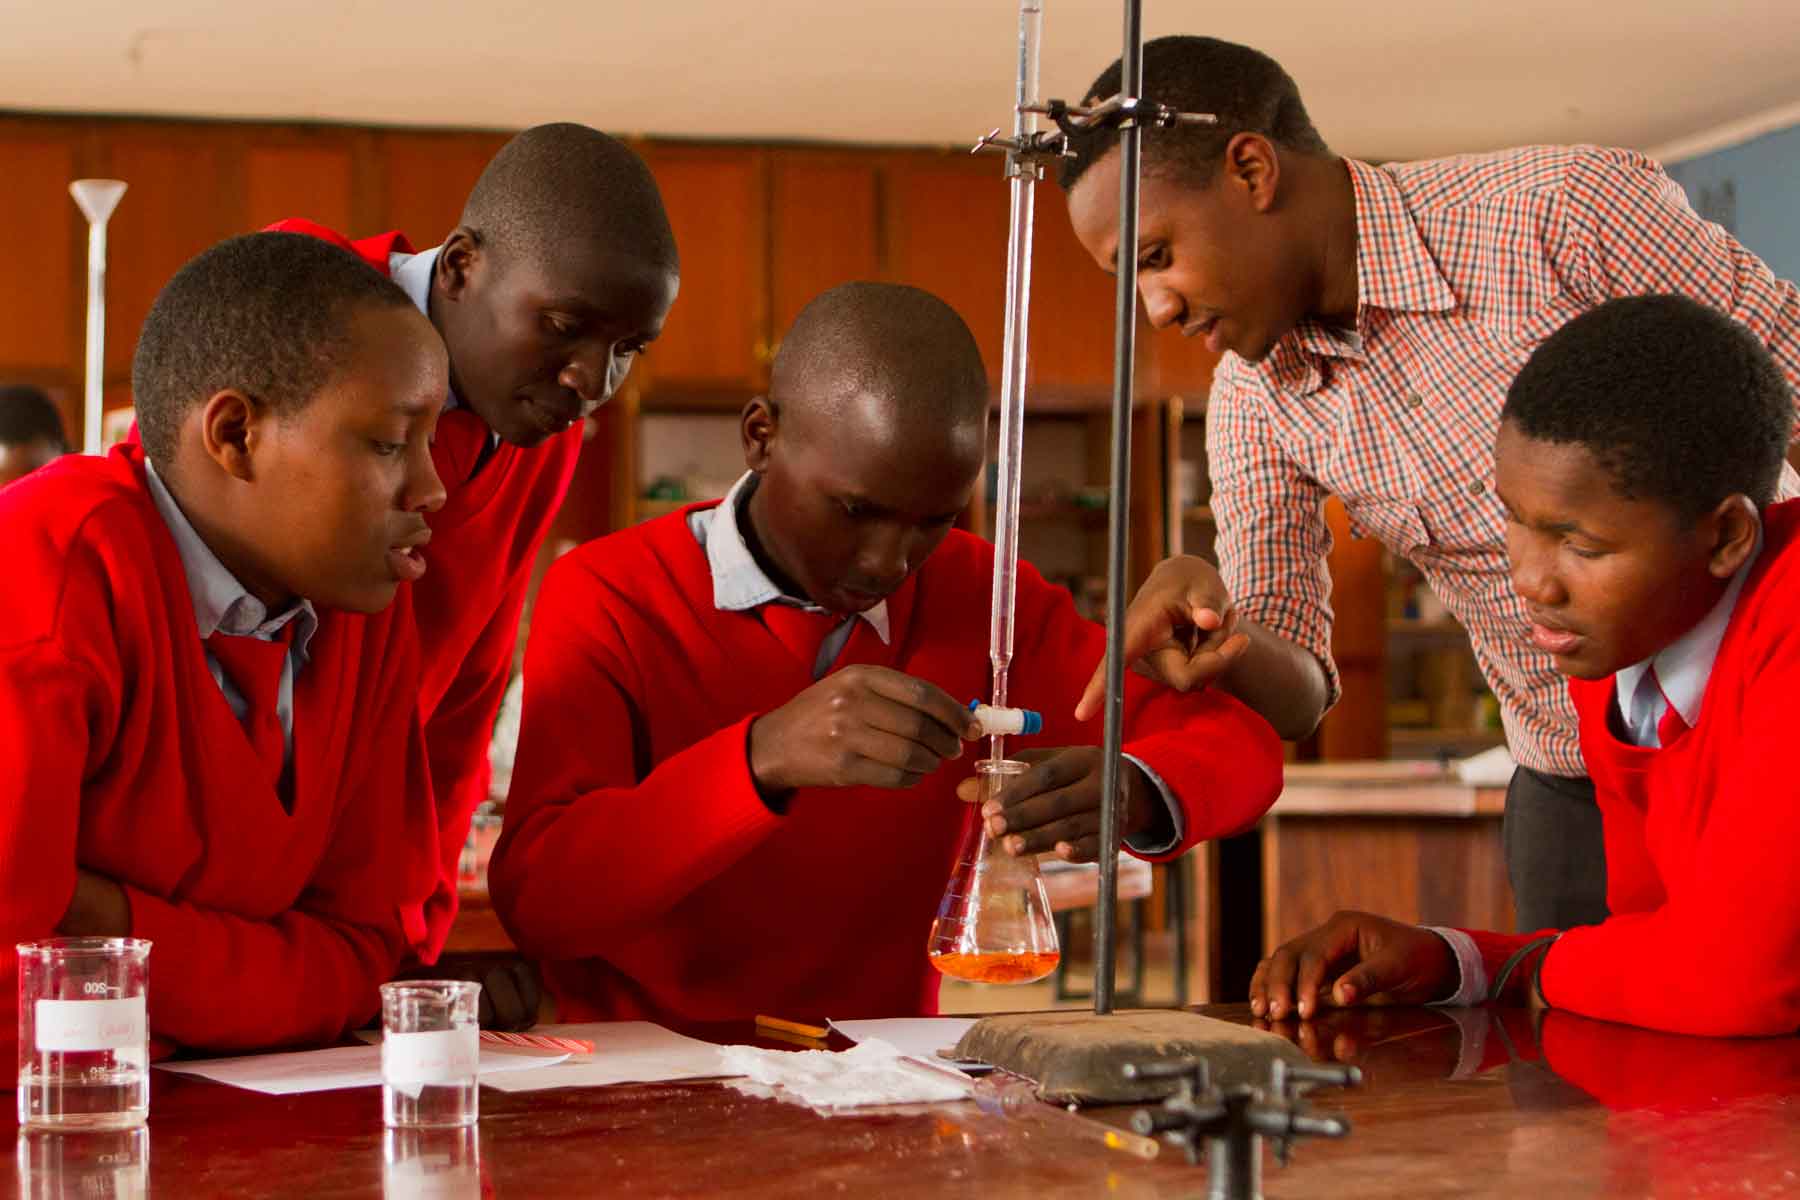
(421, 180)
(716, 339)
(309, 178)
(825, 227)
(946, 233)
(179, 201)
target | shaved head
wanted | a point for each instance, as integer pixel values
(879, 361)
(868, 445)
(554, 184)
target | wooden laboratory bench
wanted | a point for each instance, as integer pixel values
(1453, 1104)
(1403, 839)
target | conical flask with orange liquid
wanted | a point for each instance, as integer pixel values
(993, 924)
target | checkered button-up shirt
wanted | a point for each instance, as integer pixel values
(1463, 266)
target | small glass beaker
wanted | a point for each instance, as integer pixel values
(993, 924)
(431, 1164)
(84, 1034)
(430, 1053)
(104, 1164)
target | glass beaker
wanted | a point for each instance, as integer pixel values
(993, 924)
(430, 1053)
(92, 1164)
(431, 1164)
(84, 1034)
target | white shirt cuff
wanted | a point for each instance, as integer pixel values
(1177, 818)
(1473, 988)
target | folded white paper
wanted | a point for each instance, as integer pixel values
(624, 1052)
(872, 1072)
(338, 1067)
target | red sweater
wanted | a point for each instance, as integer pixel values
(483, 543)
(122, 756)
(1704, 936)
(637, 858)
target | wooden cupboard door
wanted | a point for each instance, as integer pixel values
(946, 232)
(181, 197)
(717, 335)
(425, 178)
(1072, 310)
(315, 181)
(825, 230)
(1357, 726)
(42, 293)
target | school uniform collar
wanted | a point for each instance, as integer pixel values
(739, 584)
(221, 603)
(1394, 271)
(413, 273)
(1685, 664)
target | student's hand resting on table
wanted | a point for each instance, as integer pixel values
(510, 992)
(1055, 804)
(1354, 958)
(864, 726)
(99, 908)
(1181, 630)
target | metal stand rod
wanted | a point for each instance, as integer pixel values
(1119, 509)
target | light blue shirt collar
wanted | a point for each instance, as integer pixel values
(221, 603)
(413, 273)
(1682, 667)
(738, 582)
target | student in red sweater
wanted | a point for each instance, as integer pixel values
(557, 277)
(1638, 456)
(208, 689)
(733, 790)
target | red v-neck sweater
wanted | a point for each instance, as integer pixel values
(637, 858)
(121, 755)
(483, 544)
(1700, 835)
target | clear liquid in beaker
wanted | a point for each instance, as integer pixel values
(993, 924)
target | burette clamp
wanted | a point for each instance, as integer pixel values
(1028, 153)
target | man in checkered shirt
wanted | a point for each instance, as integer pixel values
(1369, 321)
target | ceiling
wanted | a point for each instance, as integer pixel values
(1387, 79)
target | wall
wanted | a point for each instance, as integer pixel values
(1753, 190)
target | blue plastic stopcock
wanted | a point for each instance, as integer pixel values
(1030, 722)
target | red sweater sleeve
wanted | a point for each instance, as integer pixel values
(564, 804)
(1721, 955)
(457, 738)
(47, 707)
(1221, 760)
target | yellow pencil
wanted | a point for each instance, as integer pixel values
(811, 1031)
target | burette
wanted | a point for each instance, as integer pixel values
(1022, 172)
(1027, 150)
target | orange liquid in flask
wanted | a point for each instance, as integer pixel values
(1000, 967)
(993, 924)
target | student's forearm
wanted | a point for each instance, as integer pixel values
(579, 867)
(1281, 681)
(226, 982)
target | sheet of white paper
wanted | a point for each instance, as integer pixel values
(338, 1067)
(920, 1037)
(624, 1052)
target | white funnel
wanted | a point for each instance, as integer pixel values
(97, 198)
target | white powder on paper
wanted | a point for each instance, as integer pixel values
(873, 1072)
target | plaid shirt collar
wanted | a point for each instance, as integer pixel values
(1394, 271)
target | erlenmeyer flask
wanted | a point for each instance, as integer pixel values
(993, 924)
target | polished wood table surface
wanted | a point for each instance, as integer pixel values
(1470, 1103)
